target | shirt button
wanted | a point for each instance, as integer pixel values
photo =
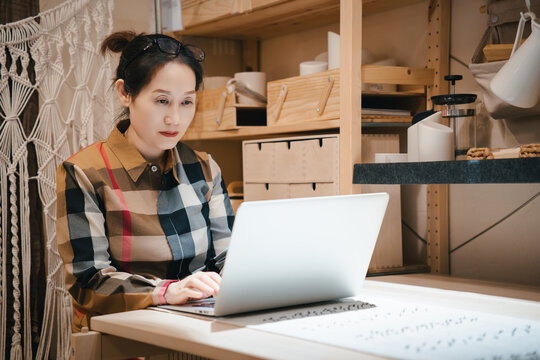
(154, 168)
(494, 19)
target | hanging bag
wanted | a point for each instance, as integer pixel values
(503, 20)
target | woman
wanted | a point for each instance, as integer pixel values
(141, 214)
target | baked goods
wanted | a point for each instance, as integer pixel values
(479, 153)
(531, 150)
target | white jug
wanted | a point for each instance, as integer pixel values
(518, 81)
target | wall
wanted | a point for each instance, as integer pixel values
(508, 251)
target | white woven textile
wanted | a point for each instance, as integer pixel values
(75, 109)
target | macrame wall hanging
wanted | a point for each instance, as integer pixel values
(56, 55)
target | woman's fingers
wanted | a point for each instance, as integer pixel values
(206, 282)
(196, 286)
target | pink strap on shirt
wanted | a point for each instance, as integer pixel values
(126, 215)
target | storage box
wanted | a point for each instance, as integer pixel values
(291, 167)
(308, 166)
(217, 109)
(304, 98)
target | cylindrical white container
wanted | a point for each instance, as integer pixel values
(333, 51)
(312, 67)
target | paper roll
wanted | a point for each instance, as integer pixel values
(412, 143)
(333, 51)
(429, 140)
(435, 142)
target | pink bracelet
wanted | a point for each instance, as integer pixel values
(163, 290)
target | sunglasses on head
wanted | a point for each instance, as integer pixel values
(171, 47)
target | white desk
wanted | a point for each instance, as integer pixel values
(124, 334)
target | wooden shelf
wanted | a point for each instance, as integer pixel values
(266, 18)
(308, 126)
(257, 131)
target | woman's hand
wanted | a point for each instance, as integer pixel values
(196, 286)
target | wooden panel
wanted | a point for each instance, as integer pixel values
(267, 18)
(85, 345)
(439, 61)
(396, 75)
(375, 6)
(350, 141)
(305, 159)
(273, 191)
(227, 153)
(438, 46)
(437, 236)
(250, 55)
(258, 131)
(388, 251)
(202, 11)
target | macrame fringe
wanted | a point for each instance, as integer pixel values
(76, 28)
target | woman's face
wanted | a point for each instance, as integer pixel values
(162, 111)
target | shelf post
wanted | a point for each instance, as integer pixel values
(437, 195)
(350, 128)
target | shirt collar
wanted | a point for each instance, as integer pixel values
(130, 157)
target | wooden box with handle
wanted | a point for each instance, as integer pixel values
(304, 98)
(218, 109)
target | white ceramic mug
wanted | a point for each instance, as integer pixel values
(214, 82)
(255, 81)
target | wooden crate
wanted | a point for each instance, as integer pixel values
(291, 167)
(304, 98)
(316, 97)
(217, 109)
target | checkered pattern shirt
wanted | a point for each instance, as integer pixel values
(126, 229)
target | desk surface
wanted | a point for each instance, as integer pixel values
(210, 338)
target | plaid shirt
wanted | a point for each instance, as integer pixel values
(125, 230)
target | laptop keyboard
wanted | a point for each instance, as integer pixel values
(204, 303)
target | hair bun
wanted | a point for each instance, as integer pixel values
(117, 42)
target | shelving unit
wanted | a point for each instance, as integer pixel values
(254, 20)
(241, 19)
(259, 19)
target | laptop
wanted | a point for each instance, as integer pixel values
(295, 251)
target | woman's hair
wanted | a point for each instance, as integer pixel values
(143, 55)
